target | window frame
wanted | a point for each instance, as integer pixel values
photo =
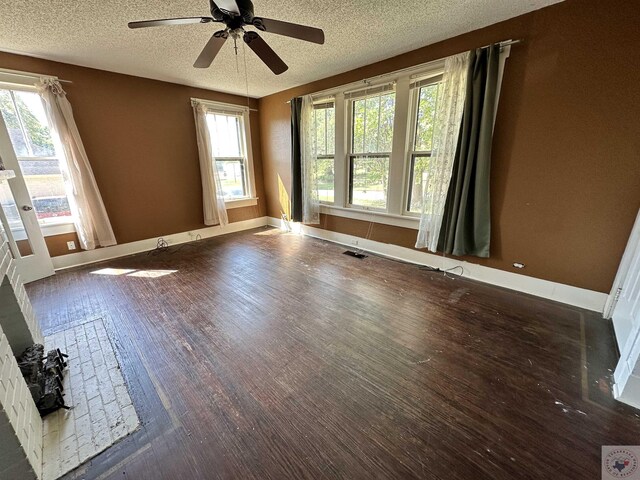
(20, 83)
(411, 152)
(350, 108)
(316, 104)
(242, 112)
(399, 164)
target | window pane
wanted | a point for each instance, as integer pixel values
(320, 124)
(232, 178)
(34, 122)
(18, 232)
(357, 127)
(387, 114)
(419, 178)
(225, 135)
(326, 176)
(46, 188)
(425, 118)
(324, 125)
(372, 123)
(372, 109)
(331, 131)
(13, 124)
(369, 181)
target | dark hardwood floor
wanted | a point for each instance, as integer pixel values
(271, 356)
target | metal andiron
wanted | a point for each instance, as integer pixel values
(44, 377)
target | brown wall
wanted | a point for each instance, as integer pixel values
(141, 141)
(565, 182)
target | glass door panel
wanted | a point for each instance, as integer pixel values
(14, 222)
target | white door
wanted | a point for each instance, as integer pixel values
(626, 321)
(18, 218)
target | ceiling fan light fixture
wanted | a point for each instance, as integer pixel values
(236, 14)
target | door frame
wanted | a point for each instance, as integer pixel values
(626, 387)
(39, 264)
(623, 270)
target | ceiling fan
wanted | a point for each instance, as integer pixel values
(236, 14)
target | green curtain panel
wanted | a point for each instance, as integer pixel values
(296, 160)
(466, 224)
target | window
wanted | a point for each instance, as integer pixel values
(228, 145)
(378, 140)
(425, 97)
(324, 122)
(371, 138)
(33, 144)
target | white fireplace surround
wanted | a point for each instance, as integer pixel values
(20, 424)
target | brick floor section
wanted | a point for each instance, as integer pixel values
(102, 410)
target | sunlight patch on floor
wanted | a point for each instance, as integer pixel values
(151, 273)
(132, 272)
(113, 271)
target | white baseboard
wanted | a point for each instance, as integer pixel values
(628, 393)
(122, 250)
(559, 292)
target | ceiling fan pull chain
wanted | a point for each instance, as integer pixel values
(237, 65)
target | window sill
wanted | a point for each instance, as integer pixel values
(47, 230)
(57, 228)
(404, 221)
(241, 202)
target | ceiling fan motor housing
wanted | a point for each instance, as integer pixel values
(231, 20)
(235, 15)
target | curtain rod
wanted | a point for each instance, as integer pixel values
(18, 73)
(224, 104)
(504, 43)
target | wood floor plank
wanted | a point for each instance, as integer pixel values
(266, 355)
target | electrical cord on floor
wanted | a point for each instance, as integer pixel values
(161, 247)
(440, 270)
(191, 244)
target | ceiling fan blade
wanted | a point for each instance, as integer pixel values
(302, 32)
(265, 52)
(170, 21)
(228, 6)
(211, 49)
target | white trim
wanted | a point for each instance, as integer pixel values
(47, 230)
(25, 80)
(377, 216)
(558, 292)
(221, 107)
(397, 159)
(629, 391)
(241, 202)
(340, 171)
(125, 249)
(623, 269)
(422, 70)
(57, 228)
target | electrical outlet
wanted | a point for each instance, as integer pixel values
(71, 245)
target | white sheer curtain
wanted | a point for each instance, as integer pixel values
(309, 154)
(90, 216)
(214, 208)
(448, 117)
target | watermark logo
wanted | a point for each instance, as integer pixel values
(620, 462)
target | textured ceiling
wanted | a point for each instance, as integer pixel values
(94, 33)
